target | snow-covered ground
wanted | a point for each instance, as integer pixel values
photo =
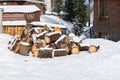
(102, 65)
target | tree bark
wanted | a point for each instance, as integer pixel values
(46, 53)
(24, 48)
(60, 52)
(51, 37)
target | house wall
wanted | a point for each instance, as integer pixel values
(13, 16)
(13, 30)
(22, 16)
(110, 24)
(12, 2)
(35, 18)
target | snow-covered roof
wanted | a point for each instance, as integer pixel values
(22, 22)
(20, 8)
(35, 23)
(63, 13)
(35, 1)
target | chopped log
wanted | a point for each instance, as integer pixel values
(35, 50)
(52, 37)
(69, 47)
(82, 48)
(46, 53)
(41, 43)
(32, 31)
(60, 43)
(93, 49)
(24, 48)
(25, 31)
(25, 36)
(17, 47)
(60, 52)
(48, 28)
(37, 30)
(75, 50)
(77, 39)
(71, 36)
(14, 45)
(34, 38)
(52, 45)
(57, 29)
(41, 35)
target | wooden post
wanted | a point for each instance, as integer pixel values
(1, 27)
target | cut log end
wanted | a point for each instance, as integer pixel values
(75, 50)
(36, 53)
(47, 39)
(93, 49)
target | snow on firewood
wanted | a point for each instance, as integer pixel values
(77, 39)
(59, 49)
(25, 43)
(47, 27)
(12, 42)
(84, 44)
(40, 34)
(34, 38)
(62, 37)
(45, 48)
(71, 34)
(52, 33)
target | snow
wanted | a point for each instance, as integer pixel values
(36, 1)
(56, 21)
(59, 49)
(36, 23)
(40, 34)
(21, 9)
(62, 37)
(6, 23)
(13, 41)
(72, 34)
(102, 65)
(46, 48)
(24, 43)
(52, 33)
(34, 38)
(76, 39)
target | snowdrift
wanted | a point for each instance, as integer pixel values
(102, 65)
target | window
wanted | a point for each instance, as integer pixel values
(30, 16)
(4, 3)
(103, 8)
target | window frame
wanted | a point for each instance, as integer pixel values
(103, 9)
(30, 16)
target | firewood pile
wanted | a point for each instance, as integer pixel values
(47, 43)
